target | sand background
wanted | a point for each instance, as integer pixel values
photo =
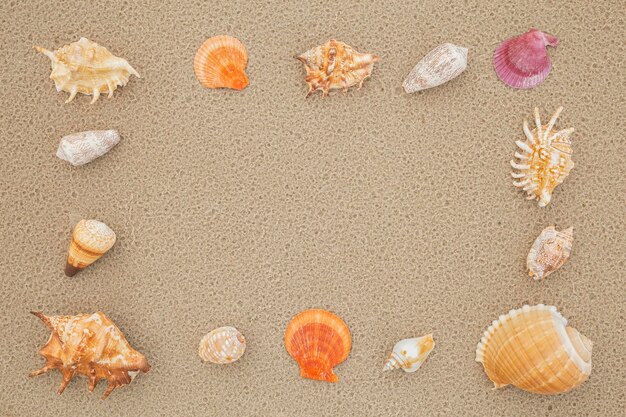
(394, 211)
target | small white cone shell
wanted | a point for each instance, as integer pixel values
(83, 147)
(439, 66)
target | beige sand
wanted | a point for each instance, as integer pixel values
(395, 211)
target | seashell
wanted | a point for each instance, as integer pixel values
(88, 68)
(523, 61)
(81, 148)
(335, 66)
(545, 159)
(90, 240)
(533, 349)
(439, 66)
(222, 345)
(221, 63)
(90, 345)
(318, 340)
(549, 252)
(410, 354)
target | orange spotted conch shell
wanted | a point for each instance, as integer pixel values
(544, 159)
(410, 354)
(318, 340)
(221, 63)
(90, 345)
(222, 345)
(533, 349)
(336, 66)
(549, 252)
(90, 240)
(88, 68)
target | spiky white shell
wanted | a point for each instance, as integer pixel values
(222, 345)
(549, 252)
(439, 66)
(544, 160)
(83, 147)
(88, 68)
(410, 354)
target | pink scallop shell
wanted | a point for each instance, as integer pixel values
(523, 61)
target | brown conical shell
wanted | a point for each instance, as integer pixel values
(318, 340)
(90, 240)
(533, 349)
(90, 345)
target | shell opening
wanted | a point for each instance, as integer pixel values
(581, 343)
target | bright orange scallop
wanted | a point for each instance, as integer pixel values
(318, 340)
(221, 63)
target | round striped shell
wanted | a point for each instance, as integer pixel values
(533, 349)
(222, 345)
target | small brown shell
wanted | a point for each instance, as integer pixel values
(90, 345)
(90, 240)
(549, 252)
(336, 66)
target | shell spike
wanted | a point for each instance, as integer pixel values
(529, 135)
(73, 93)
(45, 319)
(96, 95)
(552, 122)
(537, 121)
(45, 51)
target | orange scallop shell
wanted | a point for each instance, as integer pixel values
(221, 63)
(318, 340)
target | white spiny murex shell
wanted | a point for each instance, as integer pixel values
(81, 148)
(545, 159)
(410, 354)
(549, 252)
(222, 345)
(533, 349)
(439, 66)
(88, 68)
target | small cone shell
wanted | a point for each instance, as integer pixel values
(410, 354)
(90, 240)
(439, 66)
(533, 349)
(318, 340)
(221, 63)
(81, 148)
(222, 345)
(549, 252)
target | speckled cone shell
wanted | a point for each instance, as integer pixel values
(336, 66)
(90, 345)
(90, 240)
(221, 63)
(81, 148)
(533, 349)
(318, 340)
(222, 345)
(88, 68)
(549, 252)
(439, 66)
(544, 159)
(410, 354)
